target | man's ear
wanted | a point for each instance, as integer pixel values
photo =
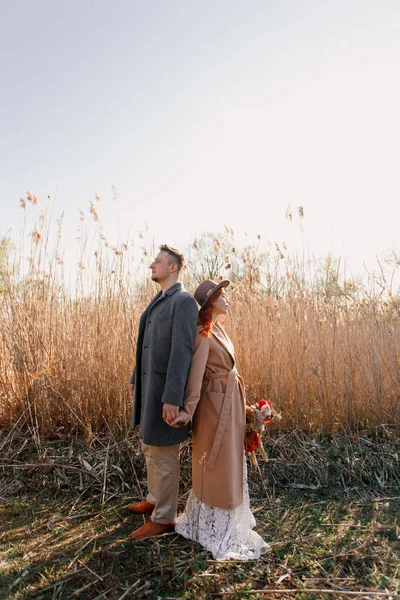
(174, 267)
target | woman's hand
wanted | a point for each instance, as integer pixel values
(178, 422)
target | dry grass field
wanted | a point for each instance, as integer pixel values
(324, 349)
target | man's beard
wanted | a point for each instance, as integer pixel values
(154, 278)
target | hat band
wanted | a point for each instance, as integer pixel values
(207, 295)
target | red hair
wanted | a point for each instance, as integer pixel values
(205, 314)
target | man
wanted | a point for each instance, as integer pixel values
(164, 351)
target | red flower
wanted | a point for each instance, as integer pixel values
(252, 441)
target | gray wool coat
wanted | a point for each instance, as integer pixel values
(164, 350)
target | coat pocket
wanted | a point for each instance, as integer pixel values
(165, 316)
(160, 368)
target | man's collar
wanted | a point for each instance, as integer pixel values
(174, 288)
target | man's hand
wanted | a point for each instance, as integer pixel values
(169, 413)
(131, 389)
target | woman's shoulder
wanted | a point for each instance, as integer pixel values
(200, 337)
(199, 330)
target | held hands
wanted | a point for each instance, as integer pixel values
(178, 422)
(170, 413)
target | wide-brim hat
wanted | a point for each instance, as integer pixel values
(207, 289)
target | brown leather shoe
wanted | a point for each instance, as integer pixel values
(149, 530)
(141, 508)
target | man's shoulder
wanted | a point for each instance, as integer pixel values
(185, 307)
(183, 296)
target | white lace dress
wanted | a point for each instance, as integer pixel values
(227, 534)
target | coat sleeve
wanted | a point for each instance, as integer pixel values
(182, 341)
(195, 379)
(133, 378)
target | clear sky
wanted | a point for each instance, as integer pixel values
(206, 113)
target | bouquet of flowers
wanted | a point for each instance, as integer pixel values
(257, 416)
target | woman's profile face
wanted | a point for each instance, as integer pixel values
(221, 304)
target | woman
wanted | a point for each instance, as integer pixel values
(217, 513)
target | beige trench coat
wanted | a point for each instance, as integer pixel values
(215, 401)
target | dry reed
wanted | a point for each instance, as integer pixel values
(327, 357)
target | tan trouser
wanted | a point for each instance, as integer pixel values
(162, 464)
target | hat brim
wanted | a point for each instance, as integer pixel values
(222, 284)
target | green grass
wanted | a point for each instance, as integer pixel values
(51, 550)
(63, 532)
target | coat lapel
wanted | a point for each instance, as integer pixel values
(219, 333)
(145, 313)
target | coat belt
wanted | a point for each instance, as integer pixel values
(226, 406)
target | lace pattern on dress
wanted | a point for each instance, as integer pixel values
(227, 534)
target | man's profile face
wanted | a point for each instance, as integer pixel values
(161, 269)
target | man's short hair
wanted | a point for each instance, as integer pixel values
(174, 256)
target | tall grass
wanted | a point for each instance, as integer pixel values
(325, 351)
